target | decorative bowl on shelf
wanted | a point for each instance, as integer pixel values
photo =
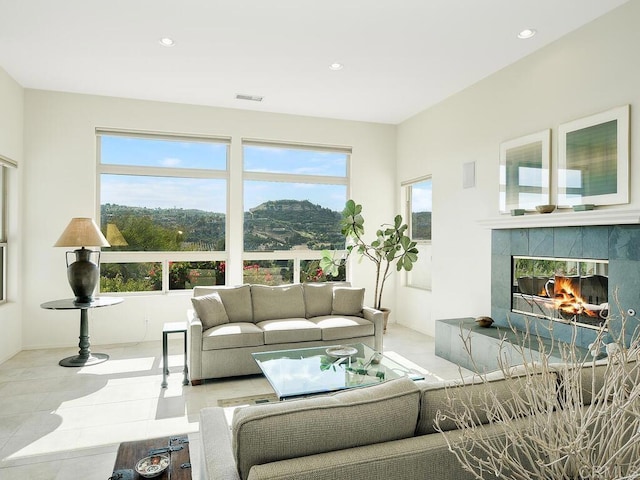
(545, 208)
(153, 465)
(484, 322)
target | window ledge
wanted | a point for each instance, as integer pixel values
(560, 218)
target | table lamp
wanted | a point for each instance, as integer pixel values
(83, 274)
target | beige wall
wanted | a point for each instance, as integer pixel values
(11, 140)
(61, 184)
(591, 70)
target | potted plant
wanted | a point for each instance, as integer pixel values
(392, 245)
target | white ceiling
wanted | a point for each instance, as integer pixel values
(399, 56)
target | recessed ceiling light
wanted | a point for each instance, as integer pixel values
(167, 42)
(526, 33)
(336, 66)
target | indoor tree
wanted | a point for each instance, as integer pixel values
(392, 245)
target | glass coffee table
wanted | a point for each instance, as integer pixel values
(308, 371)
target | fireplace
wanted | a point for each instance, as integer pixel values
(613, 251)
(567, 290)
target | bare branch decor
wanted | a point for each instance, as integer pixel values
(574, 420)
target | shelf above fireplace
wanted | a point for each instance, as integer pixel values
(563, 218)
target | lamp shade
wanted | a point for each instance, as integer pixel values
(82, 232)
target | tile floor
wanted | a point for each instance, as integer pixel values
(66, 423)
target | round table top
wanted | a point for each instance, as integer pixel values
(71, 304)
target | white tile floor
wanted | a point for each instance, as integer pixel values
(66, 423)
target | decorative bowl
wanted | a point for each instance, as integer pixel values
(484, 322)
(545, 208)
(153, 465)
(341, 351)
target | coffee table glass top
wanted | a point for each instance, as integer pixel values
(306, 371)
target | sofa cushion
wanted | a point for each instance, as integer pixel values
(210, 310)
(318, 297)
(512, 394)
(289, 330)
(347, 301)
(232, 335)
(362, 416)
(283, 301)
(236, 301)
(338, 327)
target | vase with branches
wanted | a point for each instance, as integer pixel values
(391, 246)
(581, 415)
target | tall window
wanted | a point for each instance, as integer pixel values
(293, 199)
(163, 209)
(419, 201)
(5, 163)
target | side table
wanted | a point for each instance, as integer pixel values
(173, 327)
(84, 357)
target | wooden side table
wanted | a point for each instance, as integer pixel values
(130, 452)
(84, 357)
(173, 327)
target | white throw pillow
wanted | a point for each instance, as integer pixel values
(210, 309)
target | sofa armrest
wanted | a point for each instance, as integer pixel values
(194, 346)
(377, 318)
(218, 462)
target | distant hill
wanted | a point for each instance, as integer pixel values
(273, 225)
(286, 224)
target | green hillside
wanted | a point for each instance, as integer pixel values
(273, 225)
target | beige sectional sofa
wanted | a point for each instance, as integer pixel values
(381, 432)
(228, 324)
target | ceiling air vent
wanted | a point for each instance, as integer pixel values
(253, 98)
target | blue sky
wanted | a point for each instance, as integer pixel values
(210, 194)
(421, 196)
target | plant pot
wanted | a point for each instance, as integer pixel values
(385, 314)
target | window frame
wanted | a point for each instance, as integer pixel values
(5, 164)
(162, 257)
(297, 256)
(424, 245)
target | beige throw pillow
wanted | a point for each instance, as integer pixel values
(347, 301)
(210, 309)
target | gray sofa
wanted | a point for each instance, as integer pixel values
(380, 432)
(228, 324)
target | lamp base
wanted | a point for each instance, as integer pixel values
(81, 361)
(83, 274)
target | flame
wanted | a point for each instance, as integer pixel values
(567, 299)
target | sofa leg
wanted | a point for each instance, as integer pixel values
(195, 383)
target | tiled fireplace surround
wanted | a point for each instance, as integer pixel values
(619, 244)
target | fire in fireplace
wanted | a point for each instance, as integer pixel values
(566, 290)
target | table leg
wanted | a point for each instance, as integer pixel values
(165, 367)
(84, 356)
(185, 371)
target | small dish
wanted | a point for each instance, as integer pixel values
(545, 208)
(341, 351)
(153, 465)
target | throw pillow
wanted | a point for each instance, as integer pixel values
(210, 309)
(347, 301)
(318, 298)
